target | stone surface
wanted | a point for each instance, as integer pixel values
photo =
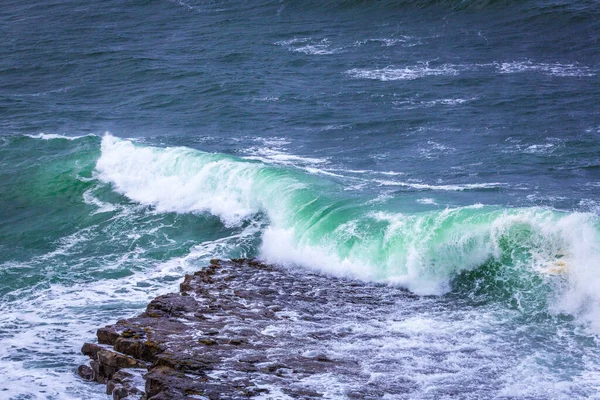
(238, 329)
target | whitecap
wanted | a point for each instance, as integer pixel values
(407, 73)
(555, 69)
(457, 187)
(309, 46)
(53, 136)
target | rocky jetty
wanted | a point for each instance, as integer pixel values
(241, 329)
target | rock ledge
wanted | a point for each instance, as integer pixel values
(237, 329)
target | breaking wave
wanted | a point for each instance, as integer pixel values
(312, 223)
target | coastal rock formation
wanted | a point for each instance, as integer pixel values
(239, 329)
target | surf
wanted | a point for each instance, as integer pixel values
(312, 223)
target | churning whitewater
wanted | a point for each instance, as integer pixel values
(313, 224)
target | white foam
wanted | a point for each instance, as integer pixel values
(268, 99)
(424, 186)
(381, 198)
(279, 156)
(391, 173)
(539, 148)
(593, 130)
(405, 41)
(580, 295)
(427, 200)
(407, 73)
(434, 149)
(590, 205)
(548, 147)
(49, 324)
(412, 104)
(556, 69)
(309, 46)
(366, 171)
(47, 92)
(337, 127)
(273, 151)
(318, 171)
(531, 379)
(53, 136)
(406, 262)
(272, 393)
(89, 198)
(180, 179)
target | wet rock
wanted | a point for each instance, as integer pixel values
(91, 350)
(119, 361)
(126, 384)
(238, 329)
(85, 372)
(107, 335)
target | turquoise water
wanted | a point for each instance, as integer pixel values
(447, 148)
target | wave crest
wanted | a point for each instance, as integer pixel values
(314, 226)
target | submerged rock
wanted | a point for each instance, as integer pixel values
(237, 329)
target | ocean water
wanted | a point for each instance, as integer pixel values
(447, 147)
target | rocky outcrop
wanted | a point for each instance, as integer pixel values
(237, 329)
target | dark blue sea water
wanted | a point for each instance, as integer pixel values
(448, 147)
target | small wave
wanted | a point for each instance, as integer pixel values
(309, 46)
(274, 151)
(47, 92)
(266, 99)
(366, 171)
(53, 136)
(407, 73)
(406, 41)
(102, 207)
(547, 148)
(459, 188)
(318, 171)
(427, 200)
(556, 69)
(425, 70)
(590, 205)
(275, 141)
(593, 130)
(277, 156)
(432, 149)
(336, 127)
(412, 104)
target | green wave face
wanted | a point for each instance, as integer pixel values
(42, 183)
(314, 224)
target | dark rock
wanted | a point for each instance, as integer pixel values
(119, 361)
(236, 328)
(85, 372)
(124, 384)
(107, 335)
(98, 373)
(91, 350)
